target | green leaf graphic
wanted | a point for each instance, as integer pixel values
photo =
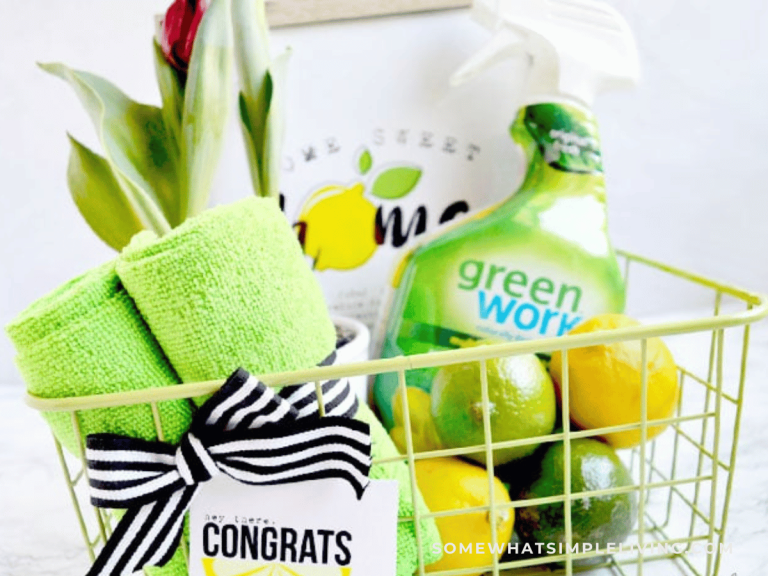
(396, 182)
(365, 161)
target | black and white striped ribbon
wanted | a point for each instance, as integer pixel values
(244, 430)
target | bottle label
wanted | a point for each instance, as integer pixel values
(566, 136)
(535, 266)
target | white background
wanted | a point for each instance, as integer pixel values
(685, 152)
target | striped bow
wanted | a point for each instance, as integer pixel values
(244, 430)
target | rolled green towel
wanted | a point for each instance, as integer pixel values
(87, 338)
(231, 288)
(176, 566)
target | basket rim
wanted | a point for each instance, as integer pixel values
(758, 310)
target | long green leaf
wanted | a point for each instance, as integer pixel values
(135, 144)
(275, 125)
(100, 198)
(260, 95)
(206, 106)
(252, 142)
(252, 58)
(171, 93)
(251, 34)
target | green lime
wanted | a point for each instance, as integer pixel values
(595, 520)
(521, 405)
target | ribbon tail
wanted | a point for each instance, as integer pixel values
(146, 536)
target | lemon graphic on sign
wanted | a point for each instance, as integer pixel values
(337, 227)
(226, 567)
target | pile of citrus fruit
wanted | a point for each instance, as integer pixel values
(524, 405)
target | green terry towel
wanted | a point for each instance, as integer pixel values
(87, 338)
(407, 551)
(231, 288)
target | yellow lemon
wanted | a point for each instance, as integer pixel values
(423, 429)
(452, 484)
(606, 386)
(337, 227)
(235, 567)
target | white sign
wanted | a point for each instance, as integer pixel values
(314, 528)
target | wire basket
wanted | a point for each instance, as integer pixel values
(683, 479)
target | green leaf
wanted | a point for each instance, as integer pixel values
(395, 183)
(261, 95)
(171, 92)
(100, 198)
(206, 107)
(365, 161)
(274, 134)
(252, 145)
(251, 36)
(135, 144)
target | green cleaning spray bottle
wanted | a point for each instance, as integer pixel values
(540, 262)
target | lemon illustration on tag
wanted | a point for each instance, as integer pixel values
(338, 226)
(224, 567)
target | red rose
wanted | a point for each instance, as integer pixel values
(179, 29)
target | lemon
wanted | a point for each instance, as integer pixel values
(522, 405)
(605, 382)
(596, 520)
(338, 227)
(236, 567)
(423, 430)
(452, 484)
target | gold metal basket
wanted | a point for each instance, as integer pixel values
(683, 478)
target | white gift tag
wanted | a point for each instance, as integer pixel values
(314, 528)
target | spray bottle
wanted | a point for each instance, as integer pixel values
(540, 262)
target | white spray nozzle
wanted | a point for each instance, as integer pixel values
(579, 47)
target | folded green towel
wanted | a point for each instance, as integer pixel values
(88, 338)
(231, 288)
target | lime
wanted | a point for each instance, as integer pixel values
(452, 484)
(595, 520)
(522, 405)
(605, 382)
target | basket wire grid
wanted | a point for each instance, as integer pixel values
(683, 478)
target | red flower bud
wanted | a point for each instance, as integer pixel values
(179, 29)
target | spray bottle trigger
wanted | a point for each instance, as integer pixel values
(506, 43)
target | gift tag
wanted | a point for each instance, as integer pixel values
(313, 528)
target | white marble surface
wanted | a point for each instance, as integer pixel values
(39, 533)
